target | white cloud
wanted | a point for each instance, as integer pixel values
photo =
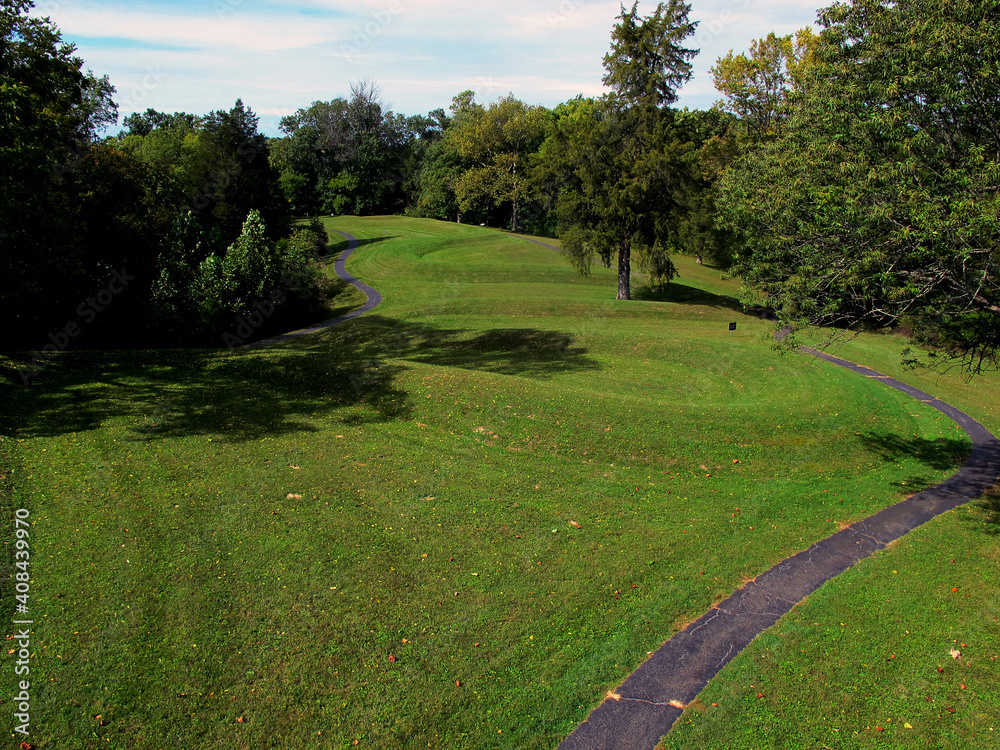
(284, 54)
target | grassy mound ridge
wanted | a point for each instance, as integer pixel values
(454, 522)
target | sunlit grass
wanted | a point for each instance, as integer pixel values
(454, 522)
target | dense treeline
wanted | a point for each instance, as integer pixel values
(848, 176)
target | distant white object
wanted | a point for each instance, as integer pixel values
(482, 225)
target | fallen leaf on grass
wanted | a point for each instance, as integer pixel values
(677, 704)
(293, 466)
(613, 695)
(392, 659)
(293, 496)
(240, 720)
(575, 524)
(908, 725)
(955, 653)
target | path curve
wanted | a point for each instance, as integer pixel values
(641, 711)
(340, 268)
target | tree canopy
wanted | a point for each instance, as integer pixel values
(620, 160)
(880, 204)
(757, 86)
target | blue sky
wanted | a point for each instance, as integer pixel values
(280, 55)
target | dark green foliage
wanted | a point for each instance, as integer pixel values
(350, 156)
(714, 146)
(880, 203)
(144, 123)
(44, 127)
(159, 236)
(647, 64)
(230, 173)
(621, 161)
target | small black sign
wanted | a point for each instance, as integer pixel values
(732, 326)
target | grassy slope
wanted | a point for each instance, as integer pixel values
(226, 535)
(867, 661)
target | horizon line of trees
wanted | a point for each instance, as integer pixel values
(848, 177)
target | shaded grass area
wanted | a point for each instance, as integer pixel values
(857, 664)
(503, 479)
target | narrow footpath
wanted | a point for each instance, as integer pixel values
(340, 268)
(642, 709)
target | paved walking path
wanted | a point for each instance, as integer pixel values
(339, 266)
(640, 712)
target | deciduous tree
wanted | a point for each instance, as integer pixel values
(757, 86)
(880, 203)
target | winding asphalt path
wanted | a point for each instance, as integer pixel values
(644, 707)
(340, 268)
(641, 710)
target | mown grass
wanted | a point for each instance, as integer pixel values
(455, 522)
(868, 660)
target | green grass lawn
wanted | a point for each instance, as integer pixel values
(868, 660)
(455, 522)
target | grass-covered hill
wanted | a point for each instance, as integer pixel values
(458, 521)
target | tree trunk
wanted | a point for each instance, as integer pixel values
(624, 269)
(514, 218)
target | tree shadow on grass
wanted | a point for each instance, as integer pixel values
(349, 371)
(939, 454)
(682, 294)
